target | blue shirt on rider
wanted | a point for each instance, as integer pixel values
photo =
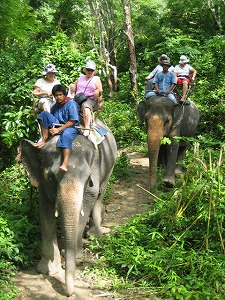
(61, 115)
(165, 80)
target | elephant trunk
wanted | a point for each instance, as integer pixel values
(70, 204)
(155, 131)
(70, 266)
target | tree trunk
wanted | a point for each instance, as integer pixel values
(216, 11)
(104, 19)
(133, 64)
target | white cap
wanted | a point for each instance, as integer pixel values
(90, 65)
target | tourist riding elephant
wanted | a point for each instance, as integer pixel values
(163, 119)
(75, 194)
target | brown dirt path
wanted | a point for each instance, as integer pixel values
(126, 199)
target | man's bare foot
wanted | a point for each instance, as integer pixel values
(63, 169)
(40, 144)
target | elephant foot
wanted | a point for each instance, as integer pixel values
(178, 172)
(105, 230)
(60, 275)
(85, 242)
(95, 231)
(48, 267)
(169, 182)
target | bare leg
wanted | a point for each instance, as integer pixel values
(45, 136)
(185, 89)
(87, 120)
(66, 156)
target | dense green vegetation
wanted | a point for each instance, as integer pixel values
(181, 252)
(177, 248)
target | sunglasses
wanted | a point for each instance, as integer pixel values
(90, 70)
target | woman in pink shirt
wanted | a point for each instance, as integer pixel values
(91, 86)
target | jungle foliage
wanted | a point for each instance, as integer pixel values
(177, 248)
(67, 33)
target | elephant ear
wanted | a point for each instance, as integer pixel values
(29, 156)
(177, 116)
(141, 109)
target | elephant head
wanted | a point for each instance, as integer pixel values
(77, 194)
(163, 119)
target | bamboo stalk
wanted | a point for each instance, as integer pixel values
(149, 193)
(180, 237)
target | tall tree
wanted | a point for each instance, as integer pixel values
(103, 12)
(130, 38)
(217, 8)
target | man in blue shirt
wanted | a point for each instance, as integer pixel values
(164, 82)
(66, 113)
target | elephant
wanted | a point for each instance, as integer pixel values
(75, 195)
(164, 119)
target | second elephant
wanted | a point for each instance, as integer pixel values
(163, 119)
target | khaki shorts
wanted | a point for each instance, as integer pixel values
(90, 103)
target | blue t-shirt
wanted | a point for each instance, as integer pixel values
(68, 112)
(165, 81)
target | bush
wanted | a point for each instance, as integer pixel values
(123, 122)
(19, 215)
(178, 245)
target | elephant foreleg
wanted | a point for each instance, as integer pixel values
(95, 228)
(181, 152)
(50, 262)
(169, 174)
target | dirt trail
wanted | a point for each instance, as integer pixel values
(126, 199)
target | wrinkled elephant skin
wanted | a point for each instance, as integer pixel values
(77, 194)
(163, 119)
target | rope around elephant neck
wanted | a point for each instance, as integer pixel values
(180, 118)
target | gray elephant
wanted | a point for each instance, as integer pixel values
(77, 194)
(163, 119)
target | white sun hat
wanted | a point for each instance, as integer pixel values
(183, 59)
(50, 68)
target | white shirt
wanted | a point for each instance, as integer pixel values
(183, 71)
(46, 86)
